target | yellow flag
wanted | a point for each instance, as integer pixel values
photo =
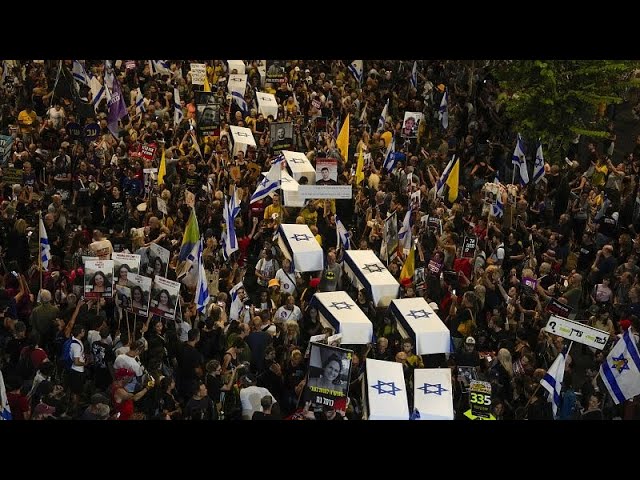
(343, 139)
(409, 267)
(207, 87)
(162, 171)
(360, 168)
(452, 181)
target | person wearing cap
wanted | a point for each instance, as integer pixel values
(468, 356)
(122, 400)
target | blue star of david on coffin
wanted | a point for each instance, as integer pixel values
(435, 388)
(381, 387)
(419, 314)
(341, 305)
(373, 268)
(299, 237)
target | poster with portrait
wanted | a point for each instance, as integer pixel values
(124, 264)
(275, 73)
(416, 200)
(98, 278)
(411, 124)
(154, 260)
(326, 171)
(208, 106)
(139, 295)
(469, 247)
(164, 297)
(420, 280)
(328, 377)
(281, 135)
(391, 237)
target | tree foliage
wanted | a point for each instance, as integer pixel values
(557, 99)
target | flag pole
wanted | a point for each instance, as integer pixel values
(539, 384)
(40, 249)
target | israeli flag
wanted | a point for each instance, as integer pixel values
(498, 208)
(343, 234)
(444, 177)
(538, 167)
(45, 248)
(404, 235)
(519, 160)
(140, 108)
(98, 92)
(202, 287)
(80, 74)
(356, 68)
(270, 183)
(383, 116)
(178, 115)
(240, 101)
(5, 412)
(233, 293)
(552, 381)
(229, 239)
(414, 76)
(443, 111)
(161, 67)
(621, 370)
(390, 158)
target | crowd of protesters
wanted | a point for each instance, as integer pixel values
(572, 236)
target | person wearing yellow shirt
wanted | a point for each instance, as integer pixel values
(275, 209)
(316, 235)
(600, 171)
(27, 119)
(309, 214)
(268, 88)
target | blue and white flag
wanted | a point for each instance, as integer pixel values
(240, 101)
(552, 381)
(202, 287)
(442, 181)
(98, 92)
(79, 73)
(343, 235)
(443, 111)
(363, 114)
(621, 370)
(231, 211)
(45, 248)
(498, 208)
(383, 117)
(404, 235)
(178, 115)
(161, 67)
(233, 293)
(538, 167)
(356, 68)
(140, 108)
(520, 161)
(188, 272)
(390, 158)
(269, 184)
(414, 75)
(5, 413)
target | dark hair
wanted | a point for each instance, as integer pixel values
(124, 265)
(193, 334)
(333, 358)
(99, 272)
(137, 287)
(77, 329)
(238, 343)
(164, 290)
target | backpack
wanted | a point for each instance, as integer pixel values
(67, 359)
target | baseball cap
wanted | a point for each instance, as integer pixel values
(314, 282)
(470, 341)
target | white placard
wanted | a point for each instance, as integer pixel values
(198, 73)
(124, 264)
(320, 191)
(164, 297)
(98, 278)
(577, 332)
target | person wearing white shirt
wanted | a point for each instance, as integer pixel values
(250, 396)
(287, 278)
(289, 311)
(129, 360)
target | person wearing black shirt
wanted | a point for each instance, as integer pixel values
(587, 254)
(190, 363)
(200, 406)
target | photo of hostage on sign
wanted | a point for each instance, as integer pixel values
(328, 377)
